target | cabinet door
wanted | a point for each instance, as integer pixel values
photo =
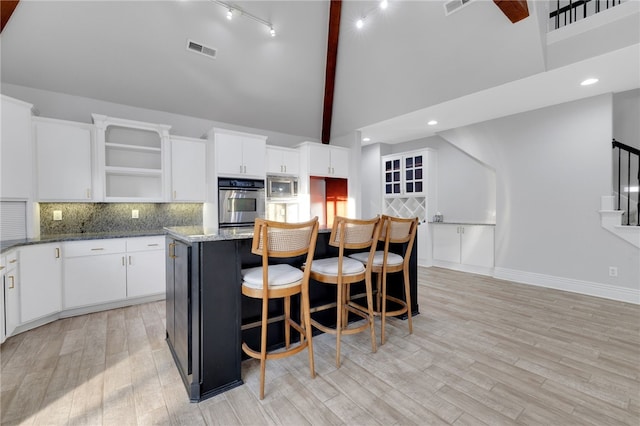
(63, 155)
(11, 294)
(188, 170)
(319, 160)
(179, 303)
(253, 154)
(229, 155)
(291, 162)
(477, 245)
(274, 160)
(40, 281)
(392, 176)
(446, 243)
(339, 162)
(145, 273)
(414, 174)
(90, 280)
(16, 167)
(3, 268)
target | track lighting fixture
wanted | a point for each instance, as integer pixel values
(382, 5)
(233, 9)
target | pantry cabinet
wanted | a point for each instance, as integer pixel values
(40, 281)
(457, 246)
(188, 169)
(64, 160)
(239, 154)
(283, 161)
(16, 166)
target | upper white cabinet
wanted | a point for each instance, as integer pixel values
(16, 166)
(283, 161)
(40, 281)
(64, 158)
(405, 174)
(188, 169)
(239, 154)
(326, 160)
(457, 246)
(133, 158)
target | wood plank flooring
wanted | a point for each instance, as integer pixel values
(483, 351)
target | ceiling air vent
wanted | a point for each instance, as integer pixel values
(201, 49)
(454, 6)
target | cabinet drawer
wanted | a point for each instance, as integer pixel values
(94, 247)
(145, 243)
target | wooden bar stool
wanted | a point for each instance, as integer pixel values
(281, 240)
(395, 230)
(343, 271)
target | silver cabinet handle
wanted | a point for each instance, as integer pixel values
(97, 249)
(153, 245)
(13, 281)
(88, 193)
(57, 252)
(129, 260)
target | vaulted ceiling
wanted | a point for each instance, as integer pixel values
(406, 58)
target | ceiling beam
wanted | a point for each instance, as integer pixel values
(516, 10)
(8, 6)
(330, 74)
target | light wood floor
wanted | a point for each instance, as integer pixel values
(483, 351)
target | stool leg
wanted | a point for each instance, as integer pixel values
(383, 314)
(367, 283)
(407, 298)
(339, 315)
(306, 314)
(287, 326)
(263, 343)
(378, 289)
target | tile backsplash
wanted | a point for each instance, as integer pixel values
(105, 217)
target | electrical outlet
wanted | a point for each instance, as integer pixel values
(135, 214)
(613, 271)
(57, 215)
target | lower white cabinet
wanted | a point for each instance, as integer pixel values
(102, 271)
(11, 293)
(145, 266)
(40, 281)
(470, 245)
(95, 272)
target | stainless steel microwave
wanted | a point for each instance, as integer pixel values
(282, 187)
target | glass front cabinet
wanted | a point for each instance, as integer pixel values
(405, 175)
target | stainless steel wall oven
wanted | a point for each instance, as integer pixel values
(240, 201)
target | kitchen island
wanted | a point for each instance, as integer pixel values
(207, 317)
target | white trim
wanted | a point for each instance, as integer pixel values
(606, 291)
(472, 269)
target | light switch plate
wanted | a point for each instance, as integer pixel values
(57, 215)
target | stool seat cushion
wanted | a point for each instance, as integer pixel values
(392, 258)
(279, 275)
(329, 266)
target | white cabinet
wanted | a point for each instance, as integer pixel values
(3, 268)
(40, 281)
(16, 166)
(102, 271)
(132, 158)
(405, 174)
(64, 160)
(467, 245)
(11, 293)
(239, 154)
(188, 169)
(94, 272)
(145, 266)
(283, 161)
(326, 160)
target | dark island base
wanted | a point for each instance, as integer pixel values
(207, 317)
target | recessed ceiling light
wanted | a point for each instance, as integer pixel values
(432, 123)
(589, 82)
(384, 4)
(360, 23)
(230, 14)
(366, 139)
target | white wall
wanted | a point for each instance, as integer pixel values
(552, 166)
(626, 117)
(79, 109)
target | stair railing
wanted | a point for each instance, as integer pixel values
(571, 11)
(630, 153)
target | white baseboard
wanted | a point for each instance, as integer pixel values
(480, 270)
(605, 291)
